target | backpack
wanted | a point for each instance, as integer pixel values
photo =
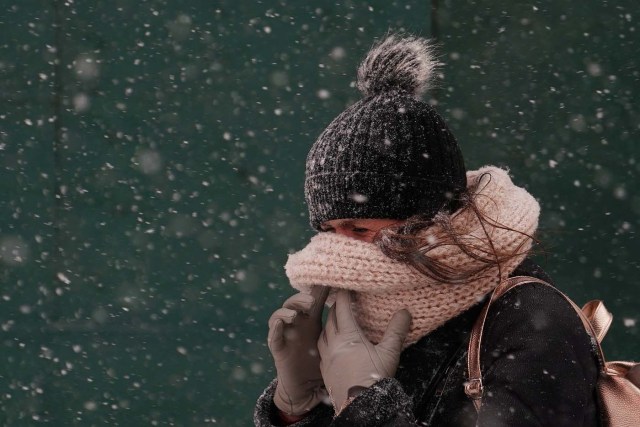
(618, 383)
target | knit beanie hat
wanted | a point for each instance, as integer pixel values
(390, 155)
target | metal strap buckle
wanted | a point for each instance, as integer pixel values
(473, 389)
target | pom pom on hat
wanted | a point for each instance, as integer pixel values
(398, 62)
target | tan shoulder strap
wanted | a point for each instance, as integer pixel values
(599, 317)
(473, 388)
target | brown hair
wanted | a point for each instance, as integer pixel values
(403, 242)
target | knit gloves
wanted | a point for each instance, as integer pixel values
(293, 334)
(350, 363)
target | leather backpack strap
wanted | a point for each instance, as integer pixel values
(473, 388)
(599, 317)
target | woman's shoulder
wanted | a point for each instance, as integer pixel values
(533, 299)
(535, 304)
(535, 315)
(537, 357)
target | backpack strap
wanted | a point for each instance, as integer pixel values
(473, 388)
(599, 317)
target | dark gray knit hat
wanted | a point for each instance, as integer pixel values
(389, 155)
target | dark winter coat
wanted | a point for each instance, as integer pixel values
(539, 369)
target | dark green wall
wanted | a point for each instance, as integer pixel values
(151, 169)
(550, 90)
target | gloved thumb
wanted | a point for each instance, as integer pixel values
(396, 332)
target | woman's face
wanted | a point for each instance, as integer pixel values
(360, 229)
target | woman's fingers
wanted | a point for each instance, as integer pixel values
(300, 302)
(397, 331)
(319, 294)
(331, 327)
(285, 315)
(311, 304)
(345, 319)
(275, 340)
(322, 344)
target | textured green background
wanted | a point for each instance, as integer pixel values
(151, 169)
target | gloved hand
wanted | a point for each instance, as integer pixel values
(350, 363)
(293, 334)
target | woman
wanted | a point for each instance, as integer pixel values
(410, 244)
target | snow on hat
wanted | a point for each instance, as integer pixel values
(389, 155)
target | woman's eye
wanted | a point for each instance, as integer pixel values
(359, 230)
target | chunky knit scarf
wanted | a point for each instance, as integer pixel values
(383, 286)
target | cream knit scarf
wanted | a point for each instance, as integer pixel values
(382, 286)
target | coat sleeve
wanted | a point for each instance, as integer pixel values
(385, 404)
(266, 413)
(538, 365)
